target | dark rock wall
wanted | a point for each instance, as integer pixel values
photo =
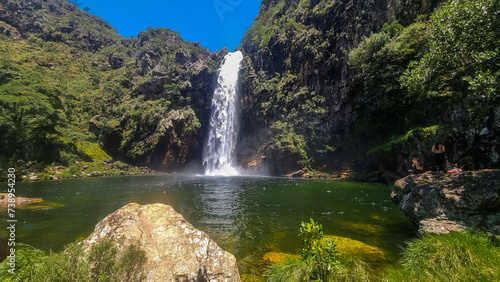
(341, 26)
(315, 56)
(192, 69)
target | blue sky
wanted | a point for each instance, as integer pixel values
(213, 23)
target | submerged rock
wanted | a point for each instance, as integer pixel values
(348, 246)
(344, 245)
(175, 250)
(441, 203)
(276, 257)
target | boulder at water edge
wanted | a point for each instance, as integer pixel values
(175, 250)
(441, 203)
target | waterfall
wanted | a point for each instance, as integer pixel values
(219, 153)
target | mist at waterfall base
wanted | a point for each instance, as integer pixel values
(219, 156)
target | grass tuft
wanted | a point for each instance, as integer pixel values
(458, 256)
(450, 257)
(295, 269)
(103, 263)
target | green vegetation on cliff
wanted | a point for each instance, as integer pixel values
(72, 89)
(277, 80)
(344, 84)
(326, 85)
(381, 59)
(463, 57)
(413, 76)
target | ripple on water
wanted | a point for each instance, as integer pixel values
(247, 216)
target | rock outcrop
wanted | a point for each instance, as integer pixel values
(304, 104)
(58, 21)
(299, 100)
(440, 203)
(166, 80)
(175, 250)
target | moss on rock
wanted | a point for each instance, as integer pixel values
(351, 247)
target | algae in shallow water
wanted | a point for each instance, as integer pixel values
(44, 205)
(276, 257)
(27, 203)
(365, 228)
(348, 246)
(251, 278)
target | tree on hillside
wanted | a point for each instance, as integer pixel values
(464, 52)
(380, 60)
(29, 112)
(439, 77)
(74, 2)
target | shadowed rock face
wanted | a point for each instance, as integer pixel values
(175, 250)
(439, 203)
(321, 69)
(172, 134)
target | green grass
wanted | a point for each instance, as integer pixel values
(102, 263)
(458, 256)
(92, 150)
(451, 257)
(295, 269)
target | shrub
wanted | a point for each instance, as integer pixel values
(319, 261)
(295, 269)
(320, 253)
(101, 264)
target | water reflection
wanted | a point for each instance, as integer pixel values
(218, 202)
(246, 216)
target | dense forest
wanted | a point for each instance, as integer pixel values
(73, 90)
(367, 85)
(326, 86)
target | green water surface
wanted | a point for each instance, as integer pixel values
(247, 216)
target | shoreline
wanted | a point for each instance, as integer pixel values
(31, 173)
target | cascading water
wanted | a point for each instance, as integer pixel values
(219, 152)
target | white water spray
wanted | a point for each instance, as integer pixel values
(219, 153)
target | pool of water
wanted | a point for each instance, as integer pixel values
(247, 216)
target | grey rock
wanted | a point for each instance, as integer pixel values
(440, 203)
(115, 61)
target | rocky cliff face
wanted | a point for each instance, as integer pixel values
(58, 21)
(440, 203)
(301, 105)
(145, 100)
(183, 75)
(175, 250)
(298, 50)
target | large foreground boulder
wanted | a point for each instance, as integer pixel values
(175, 250)
(441, 203)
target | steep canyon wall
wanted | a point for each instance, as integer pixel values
(302, 104)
